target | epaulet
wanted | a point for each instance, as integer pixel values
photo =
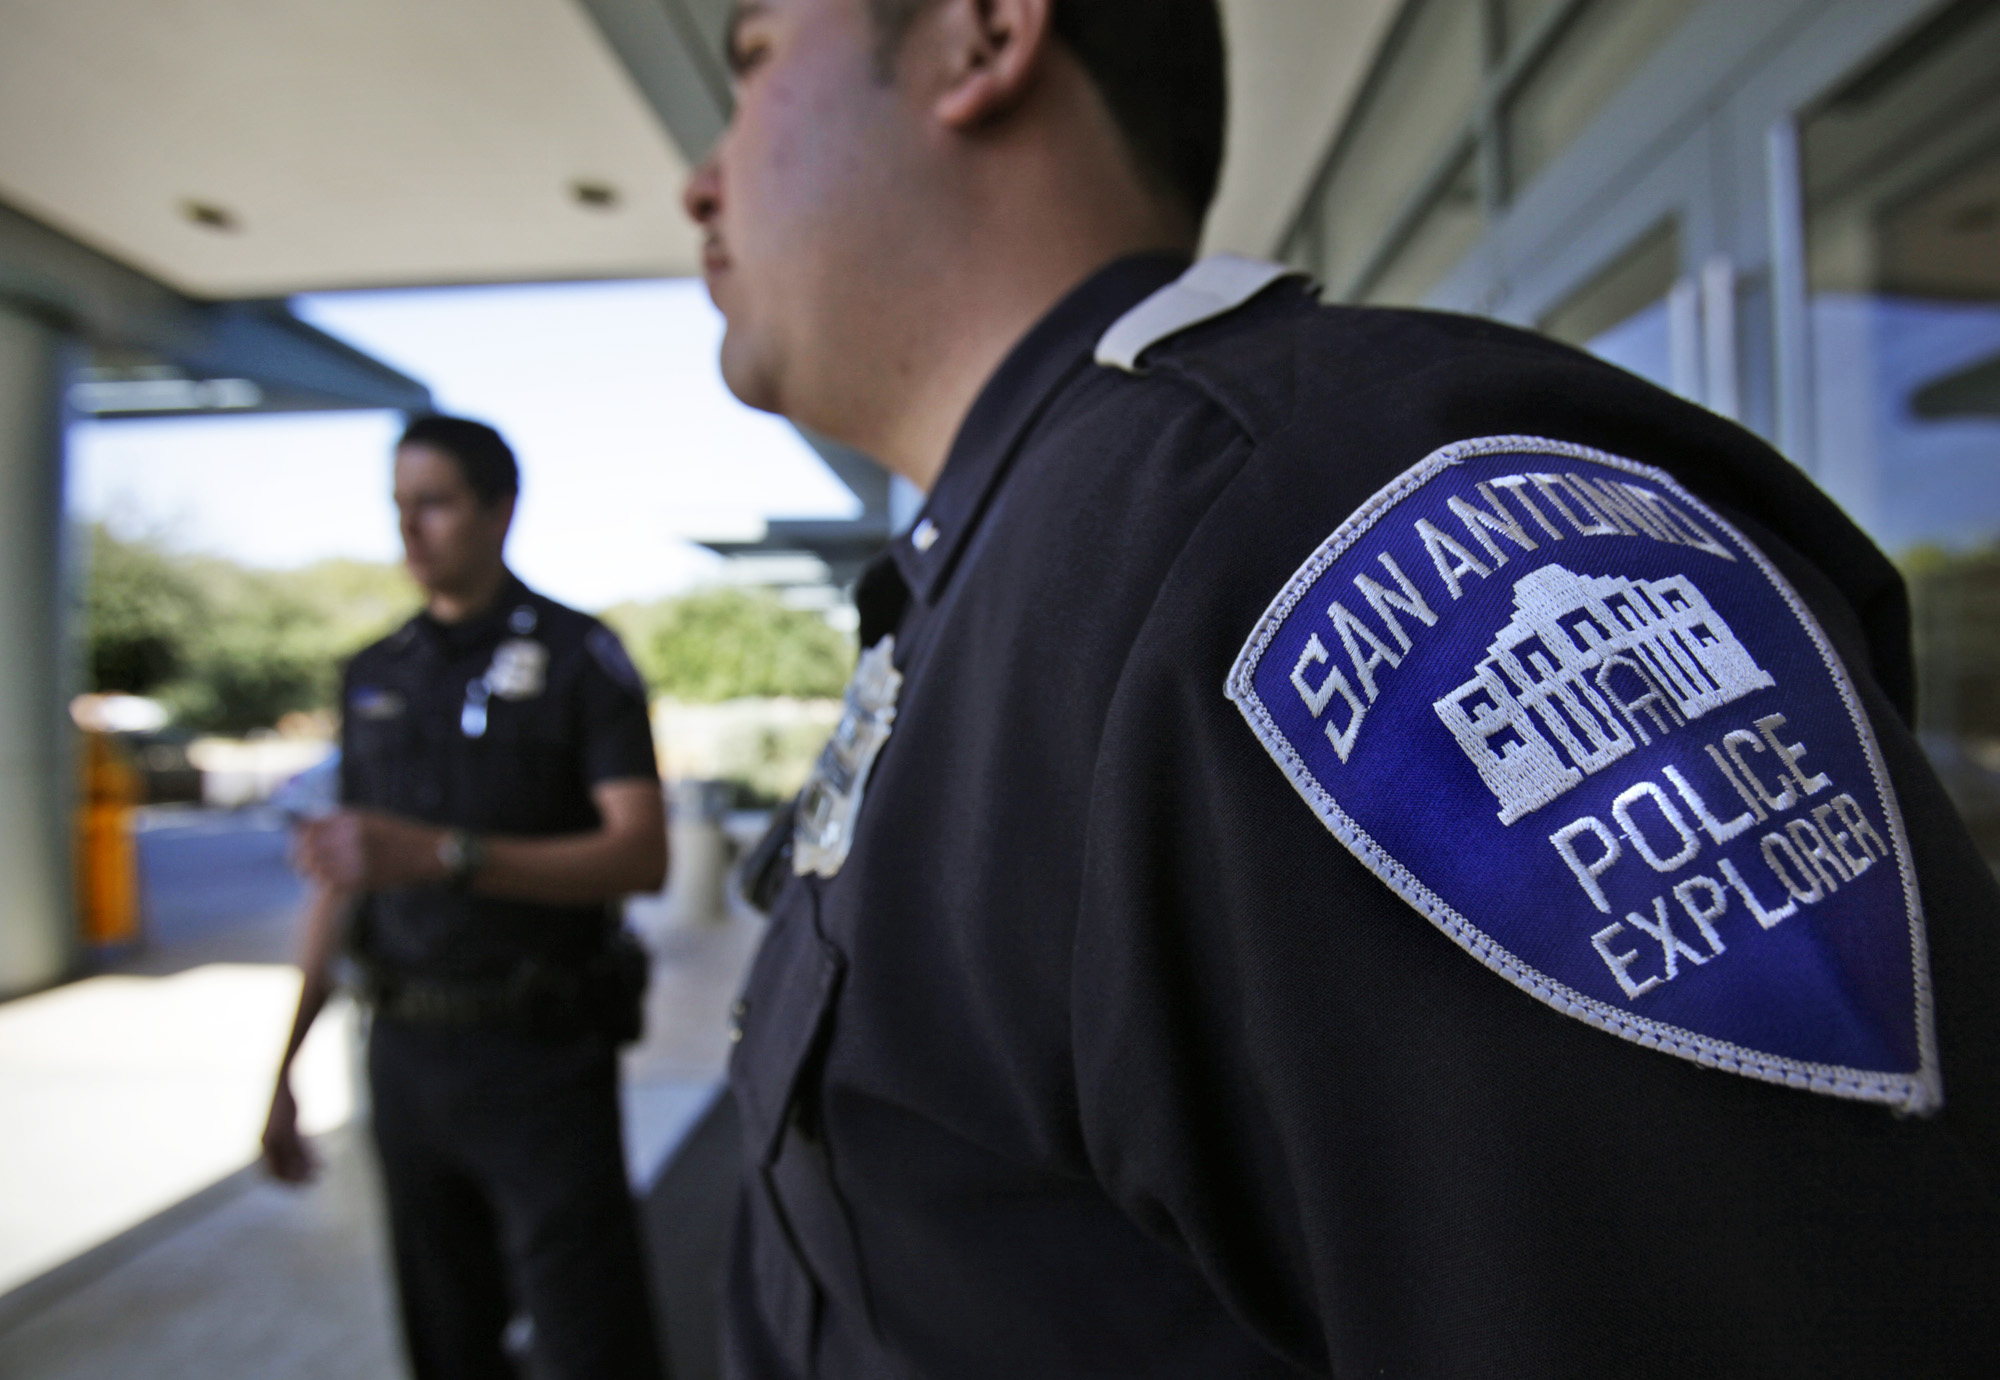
(1212, 287)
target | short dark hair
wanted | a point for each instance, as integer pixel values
(482, 457)
(1160, 66)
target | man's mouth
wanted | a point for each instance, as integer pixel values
(714, 258)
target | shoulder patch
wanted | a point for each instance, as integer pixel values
(1212, 287)
(1579, 722)
(609, 652)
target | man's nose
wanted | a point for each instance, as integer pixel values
(702, 197)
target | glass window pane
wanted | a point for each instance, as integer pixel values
(1449, 227)
(1421, 97)
(1621, 315)
(1518, 19)
(1902, 183)
(1597, 52)
(1301, 247)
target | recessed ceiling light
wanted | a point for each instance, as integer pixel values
(598, 196)
(210, 216)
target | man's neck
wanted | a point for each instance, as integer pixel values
(987, 319)
(991, 274)
(458, 604)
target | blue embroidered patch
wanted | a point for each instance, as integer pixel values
(1576, 720)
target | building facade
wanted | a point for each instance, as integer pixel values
(1788, 211)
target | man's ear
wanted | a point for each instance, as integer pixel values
(993, 51)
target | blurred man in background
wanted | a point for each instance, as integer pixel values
(1152, 987)
(499, 794)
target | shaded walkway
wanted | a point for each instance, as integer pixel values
(145, 1240)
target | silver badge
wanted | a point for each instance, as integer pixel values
(472, 714)
(824, 827)
(519, 670)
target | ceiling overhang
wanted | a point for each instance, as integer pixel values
(258, 148)
(153, 351)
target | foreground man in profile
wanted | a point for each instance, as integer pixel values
(1362, 843)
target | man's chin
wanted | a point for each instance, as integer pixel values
(747, 376)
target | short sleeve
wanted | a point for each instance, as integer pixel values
(615, 731)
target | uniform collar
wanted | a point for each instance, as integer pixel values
(1054, 349)
(488, 623)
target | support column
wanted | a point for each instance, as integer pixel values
(38, 942)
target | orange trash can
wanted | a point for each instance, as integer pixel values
(107, 857)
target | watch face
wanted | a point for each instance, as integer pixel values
(460, 853)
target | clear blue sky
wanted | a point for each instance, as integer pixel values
(609, 393)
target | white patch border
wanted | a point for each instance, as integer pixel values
(1920, 1093)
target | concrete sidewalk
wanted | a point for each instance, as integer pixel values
(137, 1238)
(122, 1095)
(252, 1280)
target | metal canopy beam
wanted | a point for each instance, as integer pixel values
(120, 311)
(673, 50)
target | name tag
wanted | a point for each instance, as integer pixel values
(373, 702)
(1579, 722)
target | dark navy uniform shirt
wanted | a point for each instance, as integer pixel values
(502, 725)
(1102, 1052)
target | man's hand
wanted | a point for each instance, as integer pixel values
(365, 850)
(286, 1154)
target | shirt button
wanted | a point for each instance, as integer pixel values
(737, 1013)
(925, 536)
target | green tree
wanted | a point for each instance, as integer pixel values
(228, 648)
(144, 614)
(724, 644)
(263, 653)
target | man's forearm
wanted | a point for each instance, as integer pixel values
(571, 869)
(325, 920)
(368, 851)
(565, 869)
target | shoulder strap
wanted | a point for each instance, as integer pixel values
(1212, 287)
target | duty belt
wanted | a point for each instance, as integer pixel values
(605, 993)
(438, 1003)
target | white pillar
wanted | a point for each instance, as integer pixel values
(38, 941)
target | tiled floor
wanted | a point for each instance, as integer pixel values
(123, 1095)
(269, 1282)
(135, 1241)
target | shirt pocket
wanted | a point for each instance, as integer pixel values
(783, 1019)
(521, 771)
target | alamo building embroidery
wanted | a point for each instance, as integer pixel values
(1588, 669)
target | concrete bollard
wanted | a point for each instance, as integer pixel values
(699, 857)
(699, 851)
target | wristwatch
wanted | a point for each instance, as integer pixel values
(463, 853)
